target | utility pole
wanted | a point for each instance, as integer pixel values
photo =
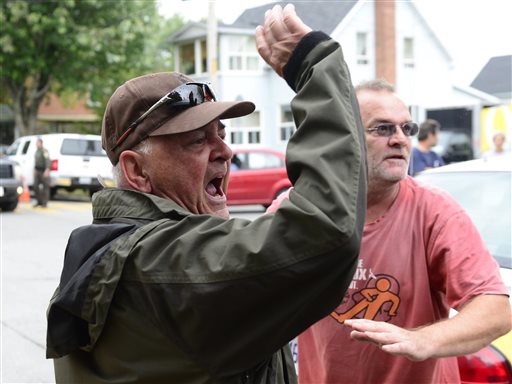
(211, 43)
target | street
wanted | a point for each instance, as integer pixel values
(33, 242)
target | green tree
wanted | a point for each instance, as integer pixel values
(87, 47)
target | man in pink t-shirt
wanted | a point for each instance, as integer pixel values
(420, 256)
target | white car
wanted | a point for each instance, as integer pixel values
(484, 189)
(77, 161)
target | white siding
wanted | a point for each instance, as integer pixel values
(363, 21)
(428, 85)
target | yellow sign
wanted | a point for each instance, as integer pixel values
(492, 121)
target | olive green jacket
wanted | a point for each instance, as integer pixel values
(42, 160)
(151, 293)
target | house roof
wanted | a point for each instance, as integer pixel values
(326, 15)
(496, 76)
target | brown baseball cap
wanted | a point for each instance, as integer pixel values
(135, 97)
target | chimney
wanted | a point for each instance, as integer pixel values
(385, 47)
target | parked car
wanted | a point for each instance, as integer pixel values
(76, 161)
(258, 176)
(454, 146)
(11, 184)
(483, 188)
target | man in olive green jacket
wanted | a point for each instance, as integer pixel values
(163, 287)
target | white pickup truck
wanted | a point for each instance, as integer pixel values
(77, 161)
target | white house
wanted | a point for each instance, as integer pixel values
(383, 39)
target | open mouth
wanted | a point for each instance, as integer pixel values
(214, 187)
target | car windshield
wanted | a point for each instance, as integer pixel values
(486, 197)
(13, 148)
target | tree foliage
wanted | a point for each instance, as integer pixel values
(87, 47)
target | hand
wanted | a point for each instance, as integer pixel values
(390, 338)
(277, 38)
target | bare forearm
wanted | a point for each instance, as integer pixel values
(482, 320)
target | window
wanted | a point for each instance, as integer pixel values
(246, 129)
(79, 147)
(409, 52)
(187, 59)
(287, 127)
(13, 148)
(204, 57)
(258, 160)
(254, 137)
(25, 147)
(192, 60)
(361, 48)
(242, 53)
(237, 137)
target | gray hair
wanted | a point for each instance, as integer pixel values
(144, 148)
(375, 85)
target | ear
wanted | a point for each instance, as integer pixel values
(134, 172)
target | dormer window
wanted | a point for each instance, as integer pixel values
(408, 52)
(362, 48)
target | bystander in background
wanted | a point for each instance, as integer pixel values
(423, 157)
(41, 174)
(420, 256)
(499, 150)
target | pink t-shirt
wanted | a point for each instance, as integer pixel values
(423, 257)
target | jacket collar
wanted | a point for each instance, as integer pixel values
(111, 203)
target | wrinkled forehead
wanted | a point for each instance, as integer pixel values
(382, 106)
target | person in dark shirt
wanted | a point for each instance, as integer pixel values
(41, 175)
(423, 157)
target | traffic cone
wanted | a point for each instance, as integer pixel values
(25, 195)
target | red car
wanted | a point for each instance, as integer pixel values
(258, 176)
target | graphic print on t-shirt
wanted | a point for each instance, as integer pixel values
(378, 300)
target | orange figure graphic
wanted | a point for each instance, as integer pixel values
(372, 301)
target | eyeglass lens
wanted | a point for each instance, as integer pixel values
(193, 94)
(389, 129)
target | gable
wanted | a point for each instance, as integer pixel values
(190, 31)
(430, 30)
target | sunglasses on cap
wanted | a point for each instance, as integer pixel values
(389, 129)
(184, 96)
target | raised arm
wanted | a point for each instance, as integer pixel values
(281, 33)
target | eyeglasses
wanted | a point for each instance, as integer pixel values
(389, 129)
(184, 96)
